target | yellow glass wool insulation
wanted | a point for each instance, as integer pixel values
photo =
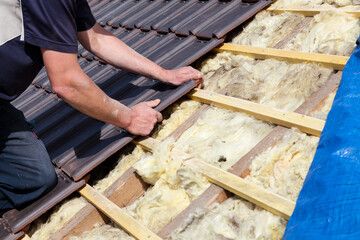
(267, 29)
(104, 232)
(331, 32)
(282, 168)
(61, 214)
(221, 137)
(180, 112)
(337, 3)
(159, 164)
(159, 205)
(278, 84)
(124, 163)
(275, 83)
(342, 3)
(164, 165)
(223, 59)
(234, 219)
(323, 111)
(222, 76)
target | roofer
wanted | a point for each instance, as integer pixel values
(35, 33)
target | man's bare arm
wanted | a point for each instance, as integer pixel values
(109, 48)
(76, 88)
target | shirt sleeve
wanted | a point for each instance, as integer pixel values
(53, 24)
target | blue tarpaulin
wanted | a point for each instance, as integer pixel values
(328, 206)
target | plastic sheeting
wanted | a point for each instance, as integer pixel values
(328, 206)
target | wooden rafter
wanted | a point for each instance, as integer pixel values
(332, 61)
(312, 10)
(110, 209)
(284, 118)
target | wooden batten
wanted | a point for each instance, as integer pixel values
(312, 10)
(146, 143)
(123, 192)
(284, 118)
(272, 202)
(115, 213)
(331, 61)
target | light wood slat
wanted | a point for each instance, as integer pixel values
(129, 224)
(147, 143)
(332, 61)
(273, 203)
(310, 11)
(284, 118)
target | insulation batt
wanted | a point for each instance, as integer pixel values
(174, 186)
(331, 32)
(282, 168)
(180, 112)
(234, 219)
(164, 165)
(267, 29)
(337, 3)
(218, 72)
(159, 205)
(104, 232)
(285, 86)
(225, 60)
(221, 137)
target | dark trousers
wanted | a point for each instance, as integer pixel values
(26, 171)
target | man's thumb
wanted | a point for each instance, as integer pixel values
(153, 103)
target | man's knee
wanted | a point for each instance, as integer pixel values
(45, 179)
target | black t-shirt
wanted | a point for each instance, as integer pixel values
(29, 25)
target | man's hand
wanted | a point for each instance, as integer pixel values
(144, 118)
(184, 74)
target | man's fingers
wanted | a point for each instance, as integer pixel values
(153, 103)
(198, 83)
(195, 74)
(159, 116)
(200, 75)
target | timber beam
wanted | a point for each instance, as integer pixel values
(259, 196)
(331, 61)
(312, 10)
(284, 118)
(115, 213)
